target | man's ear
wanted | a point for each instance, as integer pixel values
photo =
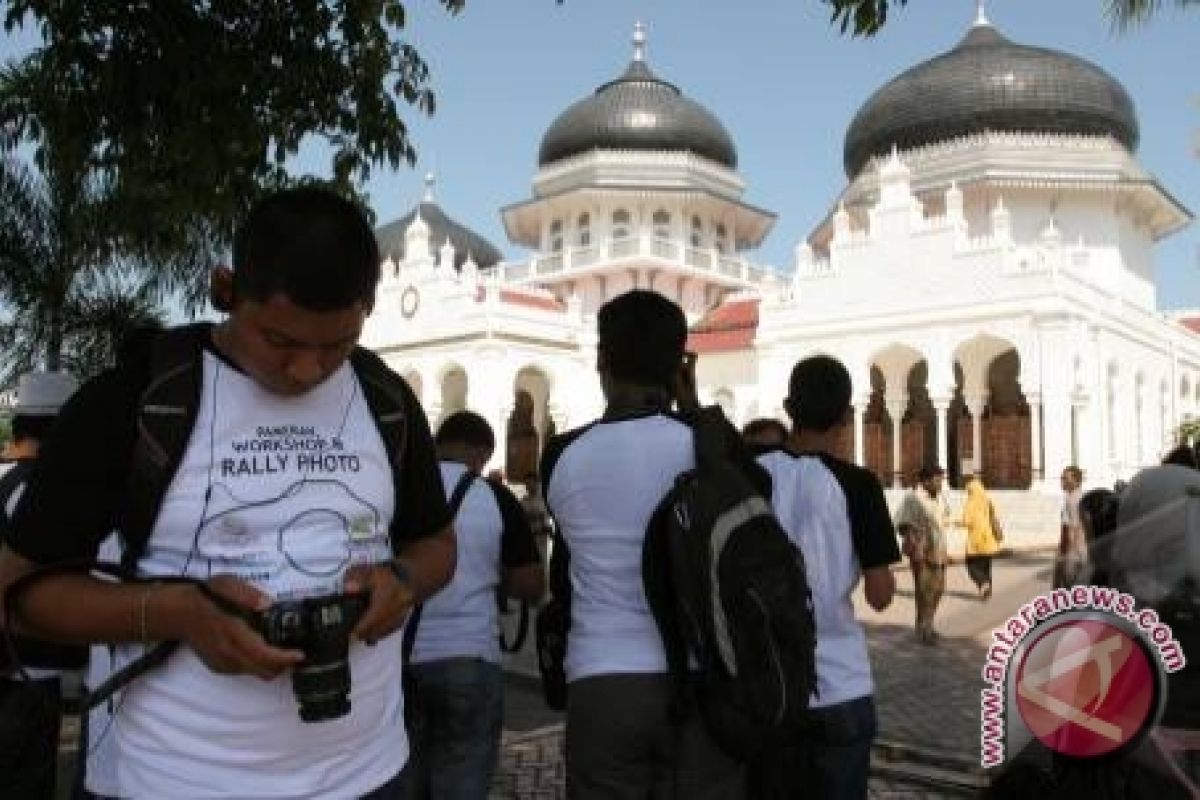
(220, 288)
(789, 407)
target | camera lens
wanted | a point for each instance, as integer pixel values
(323, 690)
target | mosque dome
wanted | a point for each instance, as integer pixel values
(637, 111)
(466, 242)
(989, 83)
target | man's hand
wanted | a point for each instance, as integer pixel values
(391, 600)
(685, 385)
(225, 642)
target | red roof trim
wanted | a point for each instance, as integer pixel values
(531, 300)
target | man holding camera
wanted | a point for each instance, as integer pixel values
(301, 516)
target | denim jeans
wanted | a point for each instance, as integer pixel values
(456, 714)
(838, 755)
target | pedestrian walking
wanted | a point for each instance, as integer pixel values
(1072, 542)
(922, 521)
(983, 535)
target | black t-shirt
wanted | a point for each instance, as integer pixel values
(75, 491)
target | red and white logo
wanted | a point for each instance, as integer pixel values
(1087, 687)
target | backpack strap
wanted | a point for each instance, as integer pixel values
(387, 397)
(12, 480)
(414, 618)
(166, 413)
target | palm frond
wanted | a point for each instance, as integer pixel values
(1127, 13)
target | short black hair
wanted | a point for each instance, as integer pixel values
(1075, 472)
(1182, 456)
(309, 244)
(466, 427)
(929, 471)
(818, 393)
(642, 335)
(765, 426)
(32, 426)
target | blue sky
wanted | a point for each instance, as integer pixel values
(781, 78)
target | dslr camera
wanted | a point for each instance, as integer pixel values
(320, 627)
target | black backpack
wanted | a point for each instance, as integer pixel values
(728, 589)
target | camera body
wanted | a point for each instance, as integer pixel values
(319, 627)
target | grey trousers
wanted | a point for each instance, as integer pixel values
(621, 745)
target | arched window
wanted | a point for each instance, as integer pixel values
(722, 238)
(584, 225)
(556, 236)
(1111, 401)
(662, 225)
(620, 224)
(697, 237)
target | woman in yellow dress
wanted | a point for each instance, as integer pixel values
(979, 518)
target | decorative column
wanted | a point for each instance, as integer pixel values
(1035, 438)
(941, 410)
(896, 407)
(975, 405)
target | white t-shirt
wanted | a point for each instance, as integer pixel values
(603, 484)
(837, 515)
(461, 620)
(286, 493)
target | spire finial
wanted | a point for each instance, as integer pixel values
(639, 41)
(430, 182)
(981, 19)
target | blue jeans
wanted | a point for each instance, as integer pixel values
(455, 709)
(838, 755)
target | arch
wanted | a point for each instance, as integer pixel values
(884, 422)
(975, 357)
(529, 425)
(454, 386)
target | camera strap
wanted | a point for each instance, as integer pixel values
(414, 617)
(153, 657)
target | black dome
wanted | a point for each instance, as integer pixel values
(988, 83)
(464, 240)
(637, 111)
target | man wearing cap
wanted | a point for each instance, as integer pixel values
(922, 521)
(31, 692)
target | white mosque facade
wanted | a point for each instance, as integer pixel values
(987, 274)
